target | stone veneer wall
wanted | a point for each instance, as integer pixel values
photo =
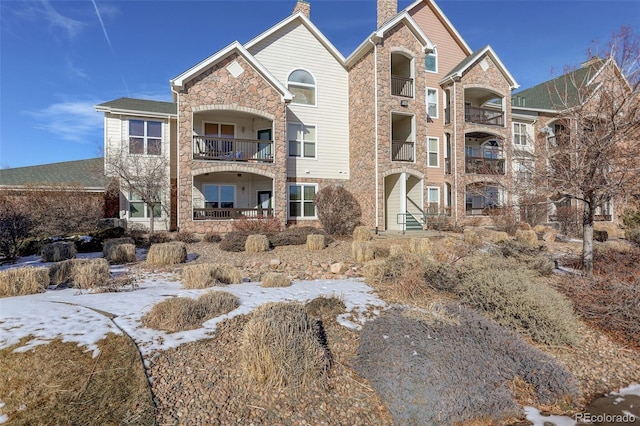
(216, 89)
(491, 79)
(362, 121)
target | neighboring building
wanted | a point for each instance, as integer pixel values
(414, 123)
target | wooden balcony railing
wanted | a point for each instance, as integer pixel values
(486, 116)
(402, 151)
(402, 86)
(230, 213)
(232, 149)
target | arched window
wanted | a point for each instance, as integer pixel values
(303, 87)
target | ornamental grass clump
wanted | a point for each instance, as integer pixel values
(204, 275)
(167, 254)
(256, 243)
(80, 273)
(22, 281)
(362, 233)
(121, 253)
(362, 251)
(281, 347)
(274, 279)
(113, 242)
(183, 313)
(315, 242)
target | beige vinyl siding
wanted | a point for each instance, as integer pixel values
(414, 195)
(295, 47)
(392, 201)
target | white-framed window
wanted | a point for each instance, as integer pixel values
(432, 102)
(145, 137)
(433, 200)
(431, 61)
(301, 200)
(519, 133)
(524, 171)
(302, 140)
(433, 152)
(138, 209)
(218, 196)
(303, 87)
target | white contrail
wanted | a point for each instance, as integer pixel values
(104, 29)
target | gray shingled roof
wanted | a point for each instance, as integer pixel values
(142, 105)
(87, 173)
(558, 93)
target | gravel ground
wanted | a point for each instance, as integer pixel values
(201, 383)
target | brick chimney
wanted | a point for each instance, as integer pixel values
(387, 9)
(303, 6)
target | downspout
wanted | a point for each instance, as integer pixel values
(455, 154)
(375, 93)
(177, 161)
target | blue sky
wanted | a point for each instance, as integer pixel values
(60, 58)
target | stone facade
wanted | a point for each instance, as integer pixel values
(387, 9)
(216, 89)
(304, 7)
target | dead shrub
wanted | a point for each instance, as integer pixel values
(256, 243)
(327, 308)
(55, 252)
(90, 273)
(415, 362)
(280, 347)
(16, 223)
(531, 257)
(449, 250)
(505, 219)
(159, 237)
(185, 237)
(234, 241)
(259, 225)
(22, 281)
(274, 279)
(114, 242)
(167, 254)
(121, 253)
(421, 246)
(203, 275)
(517, 299)
(60, 272)
(212, 237)
(315, 242)
(338, 210)
(395, 250)
(527, 237)
(183, 313)
(362, 251)
(472, 236)
(362, 233)
(295, 236)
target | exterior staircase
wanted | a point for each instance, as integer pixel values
(412, 223)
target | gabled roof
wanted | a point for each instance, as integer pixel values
(299, 16)
(236, 47)
(444, 19)
(402, 17)
(467, 62)
(129, 105)
(560, 92)
(88, 174)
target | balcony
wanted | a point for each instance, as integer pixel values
(402, 151)
(486, 116)
(402, 86)
(447, 166)
(231, 213)
(232, 149)
(484, 166)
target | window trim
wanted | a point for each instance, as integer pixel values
(219, 184)
(433, 54)
(304, 85)
(437, 103)
(145, 137)
(437, 140)
(315, 142)
(429, 188)
(521, 134)
(145, 209)
(315, 208)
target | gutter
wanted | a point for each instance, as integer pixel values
(375, 94)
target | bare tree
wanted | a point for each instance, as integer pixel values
(592, 153)
(15, 226)
(146, 176)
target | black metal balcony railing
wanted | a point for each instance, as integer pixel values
(232, 149)
(402, 151)
(402, 86)
(231, 213)
(485, 116)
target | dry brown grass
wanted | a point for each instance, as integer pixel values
(21, 281)
(327, 308)
(114, 242)
(421, 246)
(315, 242)
(183, 313)
(121, 253)
(280, 347)
(396, 250)
(60, 272)
(362, 233)
(274, 279)
(472, 236)
(362, 251)
(527, 237)
(256, 243)
(167, 253)
(93, 273)
(60, 383)
(204, 275)
(55, 252)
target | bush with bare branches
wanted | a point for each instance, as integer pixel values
(15, 226)
(338, 210)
